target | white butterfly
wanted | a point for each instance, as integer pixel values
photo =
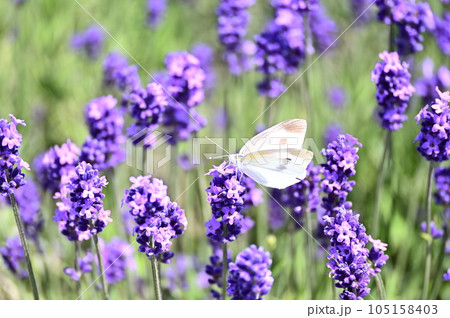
(274, 157)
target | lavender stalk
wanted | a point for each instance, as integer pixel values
(12, 178)
(155, 272)
(429, 239)
(77, 269)
(224, 269)
(380, 182)
(23, 240)
(101, 267)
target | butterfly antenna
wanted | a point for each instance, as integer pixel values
(217, 146)
(218, 157)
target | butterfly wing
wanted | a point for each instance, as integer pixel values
(275, 168)
(289, 133)
(269, 178)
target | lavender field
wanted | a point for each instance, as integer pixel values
(111, 111)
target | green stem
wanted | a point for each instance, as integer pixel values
(440, 260)
(310, 251)
(380, 183)
(155, 272)
(224, 269)
(267, 113)
(24, 246)
(333, 290)
(391, 37)
(174, 171)
(77, 269)
(429, 239)
(101, 267)
(380, 287)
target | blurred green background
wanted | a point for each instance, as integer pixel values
(48, 85)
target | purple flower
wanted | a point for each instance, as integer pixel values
(442, 179)
(226, 197)
(376, 254)
(434, 143)
(442, 32)
(411, 19)
(341, 158)
(105, 122)
(214, 270)
(118, 257)
(360, 9)
(67, 218)
(186, 78)
(298, 5)
(14, 257)
(84, 265)
(323, 30)
(158, 219)
(435, 231)
(300, 198)
(112, 64)
(185, 162)
(349, 264)
(446, 276)
(304, 196)
(386, 8)
(176, 273)
(146, 107)
(337, 97)
(179, 123)
(250, 277)
(392, 78)
(243, 60)
(426, 86)
(29, 200)
(57, 165)
(117, 73)
(253, 196)
(280, 49)
(19, 2)
(331, 133)
(90, 41)
(277, 215)
(205, 54)
(271, 88)
(85, 192)
(156, 12)
(232, 24)
(11, 175)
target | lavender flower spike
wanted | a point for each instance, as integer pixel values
(225, 195)
(156, 11)
(118, 257)
(186, 78)
(394, 90)
(158, 220)
(442, 178)
(87, 199)
(434, 141)
(90, 41)
(11, 175)
(84, 265)
(55, 167)
(105, 122)
(14, 257)
(349, 257)
(250, 277)
(232, 24)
